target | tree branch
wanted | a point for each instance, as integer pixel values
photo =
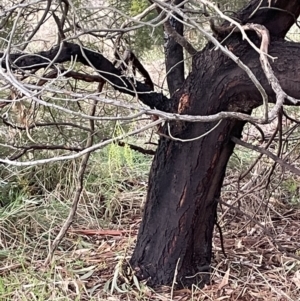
(179, 39)
(79, 184)
(267, 153)
(137, 148)
(268, 13)
(174, 59)
(129, 56)
(71, 51)
(36, 125)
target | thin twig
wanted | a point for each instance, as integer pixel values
(267, 153)
(79, 187)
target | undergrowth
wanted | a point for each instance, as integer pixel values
(260, 230)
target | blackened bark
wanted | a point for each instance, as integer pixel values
(186, 177)
(174, 54)
(184, 185)
(71, 51)
(278, 16)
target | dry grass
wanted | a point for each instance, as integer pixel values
(261, 263)
(87, 261)
(260, 230)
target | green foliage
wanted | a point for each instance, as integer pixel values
(113, 172)
(137, 6)
(12, 193)
(291, 186)
(232, 5)
(145, 38)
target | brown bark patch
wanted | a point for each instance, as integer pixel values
(183, 103)
(183, 197)
(227, 87)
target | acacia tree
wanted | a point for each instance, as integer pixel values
(203, 118)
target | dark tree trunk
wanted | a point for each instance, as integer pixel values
(186, 176)
(185, 182)
(184, 187)
(188, 170)
(174, 54)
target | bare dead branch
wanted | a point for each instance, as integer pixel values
(48, 147)
(267, 153)
(179, 39)
(37, 27)
(130, 57)
(103, 66)
(137, 148)
(61, 34)
(79, 185)
(69, 73)
(92, 148)
(36, 125)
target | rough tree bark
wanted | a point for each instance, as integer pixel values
(174, 54)
(186, 177)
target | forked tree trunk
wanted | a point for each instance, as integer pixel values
(186, 177)
(185, 182)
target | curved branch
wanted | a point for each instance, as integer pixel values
(69, 73)
(179, 39)
(129, 56)
(36, 125)
(71, 51)
(268, 13)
